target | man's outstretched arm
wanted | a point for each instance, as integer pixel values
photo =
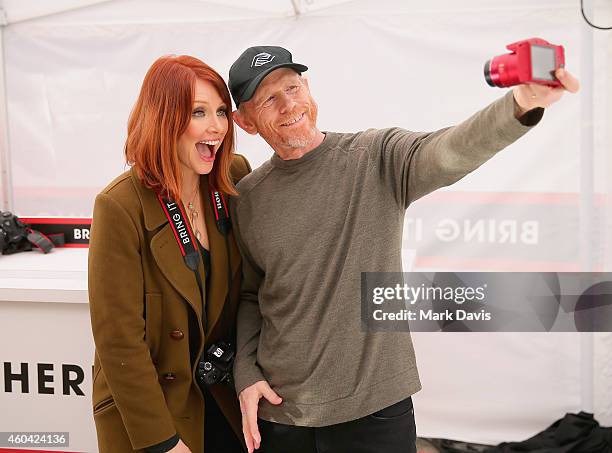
(414, 164)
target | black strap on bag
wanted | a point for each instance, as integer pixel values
(45, 242)
(187, 242)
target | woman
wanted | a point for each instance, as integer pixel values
(149, 325)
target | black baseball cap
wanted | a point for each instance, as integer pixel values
(253, 65)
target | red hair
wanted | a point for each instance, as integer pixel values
(161, 115)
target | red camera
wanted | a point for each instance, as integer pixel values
(532, 60)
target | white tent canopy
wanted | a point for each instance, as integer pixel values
(126, 11)
(72, 70)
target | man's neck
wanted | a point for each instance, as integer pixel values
(289, 153)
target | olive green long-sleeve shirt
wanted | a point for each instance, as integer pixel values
(308, 227)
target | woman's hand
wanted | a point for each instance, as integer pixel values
(180, 448)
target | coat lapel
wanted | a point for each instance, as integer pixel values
(170, 261)
(165, 249)
(218, 289)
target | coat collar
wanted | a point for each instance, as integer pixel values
(169, 259)
(153, 214)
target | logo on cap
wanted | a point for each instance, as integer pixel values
(261, 59)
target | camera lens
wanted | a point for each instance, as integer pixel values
(487, 73)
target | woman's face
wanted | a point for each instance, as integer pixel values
(199, 144)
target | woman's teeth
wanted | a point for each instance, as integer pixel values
(210, 142)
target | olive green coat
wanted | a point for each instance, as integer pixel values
(143, 386)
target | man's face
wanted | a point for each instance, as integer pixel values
(283, 111)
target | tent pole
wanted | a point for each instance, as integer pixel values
(296, 7)
(587, 209)
(6, 186)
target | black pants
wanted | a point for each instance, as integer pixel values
(390, 430)
(219, 437)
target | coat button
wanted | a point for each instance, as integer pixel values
(169, 376)
(177, 334)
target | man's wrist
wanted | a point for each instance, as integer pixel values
(527, 117)
(518, 110)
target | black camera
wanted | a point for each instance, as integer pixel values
(215, 365)
(13, 234)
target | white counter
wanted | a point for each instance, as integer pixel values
(59, 276)
(45, 339)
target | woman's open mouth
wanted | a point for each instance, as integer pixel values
(207, 149)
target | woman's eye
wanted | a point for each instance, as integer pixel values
(292, 89)
(222, 112)
(198, 113)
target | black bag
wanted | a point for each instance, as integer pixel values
(16, 236)
(13, 234)
(574, 433)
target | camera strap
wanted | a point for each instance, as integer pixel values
(187, 242)
(224, 224)
(222, 217)
(44, 242)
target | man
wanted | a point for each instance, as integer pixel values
(323, 209)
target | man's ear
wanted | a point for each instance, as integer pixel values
(244, 122)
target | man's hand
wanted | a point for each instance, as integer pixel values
(249, 402)
(528, 96)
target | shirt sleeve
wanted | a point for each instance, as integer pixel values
(414, 164)
(249, 319)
